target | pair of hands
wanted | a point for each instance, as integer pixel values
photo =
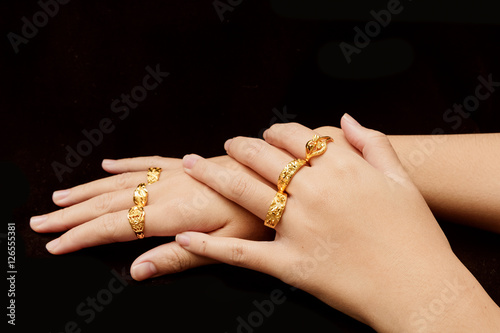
(356, 232)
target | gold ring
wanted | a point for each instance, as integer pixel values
(288, 172)
(136, 214)
(141, 195)
(316, 146)
(275, 210)
(153, 175)
(136, 217)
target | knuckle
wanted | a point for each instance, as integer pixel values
(329, 130)
(102, 203)
(110, 228)
(240, 187)
(280, 131)
(252, 149)
(153, 161)
(237, 254)
(62, 219)
(121, 180)
(179, 260)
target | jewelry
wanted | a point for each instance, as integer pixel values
(315, 147)
(288, 172)
(275, 210)
(136, 214)
(153, 175)
(141, 195)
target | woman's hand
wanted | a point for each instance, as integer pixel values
(96, 213)
(356, 232)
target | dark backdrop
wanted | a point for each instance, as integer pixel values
(234, 70)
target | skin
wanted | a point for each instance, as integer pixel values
(94, 212)
(443, 177)
(356, 233)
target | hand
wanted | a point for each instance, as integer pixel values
(356, 232)
(96, 213)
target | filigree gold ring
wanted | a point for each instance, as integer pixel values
(153, 175)
(315, 147)
(136, 214)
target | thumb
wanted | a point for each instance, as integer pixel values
(375, 147)
(234, 251)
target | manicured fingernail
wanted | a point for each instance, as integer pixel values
(107, 162)
(182, 239)
(35, 221)
(143, 271)
(350, 119)
(189, 161)
(60, 195)
(227, 144)
(52, 245)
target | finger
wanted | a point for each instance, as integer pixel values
(140, 164)
(69, 217)
(109, 228)
(239, 187)
(234, 251)
(165, 219)
(258, 155)
(376, 149)
(172, 258)
(84, 192)
(291, 137)
(166, 259)
(112, 228)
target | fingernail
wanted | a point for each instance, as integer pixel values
(143, 271)
(189, 161)
(52, 245)
(227, 144)
(182, 239)
(60, 195)
(264, 134)
(107, 162)
(350, 119)
(36, 221)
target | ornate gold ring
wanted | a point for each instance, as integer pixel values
(315, 147)
(136, 214)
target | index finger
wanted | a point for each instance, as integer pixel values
(140, 164)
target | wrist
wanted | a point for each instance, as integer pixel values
(444, 298)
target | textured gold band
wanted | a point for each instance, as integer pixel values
(141, 195)
(288, 172)
(276, 210)
(136, 215)
(153, 175)
(315, 147)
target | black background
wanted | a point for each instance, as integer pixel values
(227, 78)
